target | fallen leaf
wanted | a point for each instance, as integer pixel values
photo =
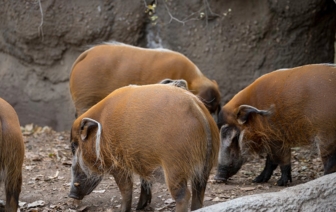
(207, 198)
(21, 204)
(29, 168)
(38, 203)
(169, 201)
(99, 191)
(248, 188)
(217, 199)
(55, 176)
(83, 208)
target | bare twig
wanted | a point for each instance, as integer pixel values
(40, 30)
(205, 7)
(206, 2)
(171, 16)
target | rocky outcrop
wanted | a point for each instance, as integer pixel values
(232, 42)
(316, 195)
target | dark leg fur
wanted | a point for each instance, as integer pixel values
(12, 199)
(145, 195)
(198, 190)
(266, 174)
(330, 164)
(12, 194)
(181, 194)
(286, 175)
(125, 185)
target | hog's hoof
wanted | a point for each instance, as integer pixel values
(260, 179)
(283, 181)
(219, 179)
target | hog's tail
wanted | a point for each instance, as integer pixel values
(212, 144)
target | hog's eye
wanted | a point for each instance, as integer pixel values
(73, 147)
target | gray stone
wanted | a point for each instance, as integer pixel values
(316, 195)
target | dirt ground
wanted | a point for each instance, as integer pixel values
(46, 178)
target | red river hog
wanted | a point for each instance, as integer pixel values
(102, 69)
(282, 109)
(12, 155)
(139, 129)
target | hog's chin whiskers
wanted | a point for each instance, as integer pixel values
(92, 182)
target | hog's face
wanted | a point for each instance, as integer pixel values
(230, 158)
(82, 183)
(232, 124)
(84, 173)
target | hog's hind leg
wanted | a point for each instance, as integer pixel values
(284, 158)
(181, 194)
(13, 190)
(329, 163)
(266, 174)
(198, 190)
(178, 187)
(286, 175)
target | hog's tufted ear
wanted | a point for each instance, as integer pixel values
(87, 126)
(244, 112)
(181, 83)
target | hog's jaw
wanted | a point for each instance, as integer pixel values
(82, 181)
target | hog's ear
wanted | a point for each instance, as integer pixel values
(166, 81)
(244, 112)
(87, 126)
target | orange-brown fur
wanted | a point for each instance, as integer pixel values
(152, 126)
(301, 111)
(12, 155)
(102, 69)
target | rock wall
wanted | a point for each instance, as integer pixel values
(232, 42)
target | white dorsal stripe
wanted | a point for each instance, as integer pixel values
(98, 135)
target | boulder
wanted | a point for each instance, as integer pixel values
(316, 195)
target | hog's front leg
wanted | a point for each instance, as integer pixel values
(145, 195)
(125, 185)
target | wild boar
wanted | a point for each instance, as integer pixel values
(282, 109)
(139, 129)
(12, 155)
(104, 68)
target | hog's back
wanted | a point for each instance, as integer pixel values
(104, 68)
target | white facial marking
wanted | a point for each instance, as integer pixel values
(240, 140)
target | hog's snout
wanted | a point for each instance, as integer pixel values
(224, 173)
(75, 196)
(75, 192)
